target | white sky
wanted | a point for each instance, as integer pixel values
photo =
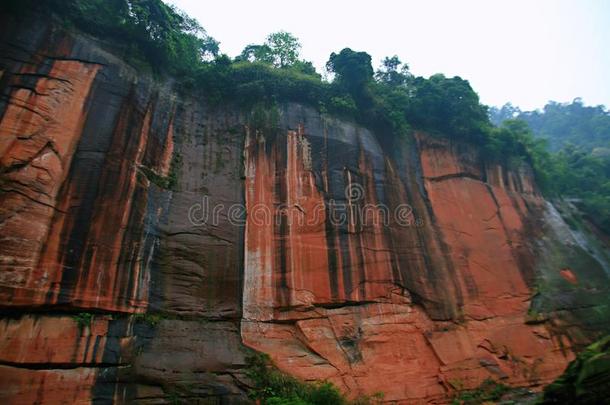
(523, 51)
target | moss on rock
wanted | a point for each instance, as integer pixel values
(586, 380)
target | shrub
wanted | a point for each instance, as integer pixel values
(273, 387)
(83, 319)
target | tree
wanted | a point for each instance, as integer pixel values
(507, 112)
(448, 105)
(393, 72)
(284, 47)
(563, 123)
(281, 49)
(353, 72)
(150, 29)
(353, 69)
(256, 53)
(305, 67)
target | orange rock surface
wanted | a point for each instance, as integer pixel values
(40, 130)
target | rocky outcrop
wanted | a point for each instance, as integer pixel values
(148, 238)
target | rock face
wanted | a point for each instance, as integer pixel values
(91, 233)
(147, 239)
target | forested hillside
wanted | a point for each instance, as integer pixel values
(579, 138)
(562, 124)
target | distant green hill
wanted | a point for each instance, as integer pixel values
(563, 123)
(579, 138)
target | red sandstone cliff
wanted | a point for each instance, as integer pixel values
(408, 269)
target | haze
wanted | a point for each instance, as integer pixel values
(525, 52)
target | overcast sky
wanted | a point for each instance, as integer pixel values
(523, 51)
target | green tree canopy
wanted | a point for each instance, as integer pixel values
(149, 29)
(281, 49)
(353, 69)
(506, 112)
(256, 53)
(578, 135)
(563, 123)
(285, 48)
(353, 74)
(393, 72)
(448, 105)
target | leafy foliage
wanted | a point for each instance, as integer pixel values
(564, 123)
(393, 72)
(585, 178)
(586, 380)
(284, 47)
(161, 34)
(353, 69)
(276, 388)
(513, 143)
(256, 53)
(168, 182)
(249, 83)
(507, 112)
(272, 387)
(449, 105)
(83, 319)
(281, 49)
(151, 319)
(579, 167)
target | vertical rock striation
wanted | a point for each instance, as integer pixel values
(100, 168)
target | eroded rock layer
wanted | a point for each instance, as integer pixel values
(148, 238)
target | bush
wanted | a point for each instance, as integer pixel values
(83, 319)
(273, 387)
